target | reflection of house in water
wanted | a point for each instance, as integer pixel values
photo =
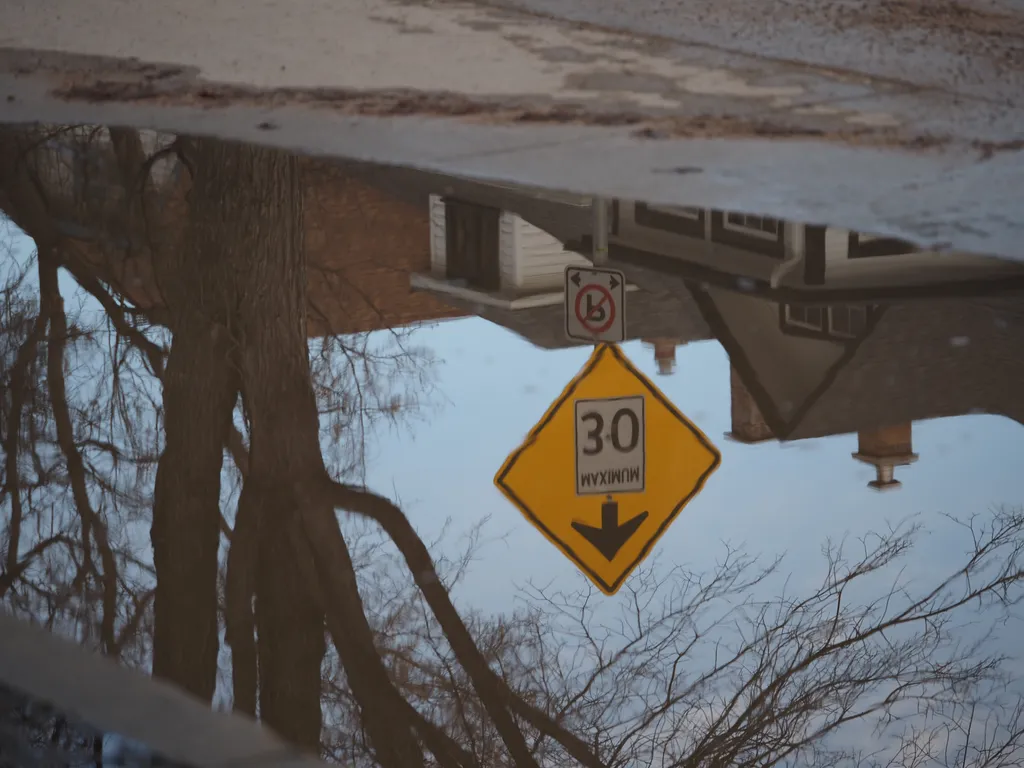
(500, 252)
(505, 260)
(886, 448)
(664, 354)
(866, 368)
(764, 254)
(363, 244)
(393, 246)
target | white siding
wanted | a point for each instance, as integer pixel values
(837, 244)
(542, 259)
(438, 247)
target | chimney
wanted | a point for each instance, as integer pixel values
(748, 424)
(664, 354)
(886, 448)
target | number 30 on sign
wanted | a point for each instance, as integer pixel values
(610, 445)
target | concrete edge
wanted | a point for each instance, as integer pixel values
(111, 698)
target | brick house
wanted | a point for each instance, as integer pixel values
(362, 243)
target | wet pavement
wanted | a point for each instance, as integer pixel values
(330, 444)
(970, 47)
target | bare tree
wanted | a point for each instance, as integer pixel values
(59, 454)
(729, 667)
(189, 566)
(715, 675)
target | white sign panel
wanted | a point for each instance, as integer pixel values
(610, 445)
(595, 304)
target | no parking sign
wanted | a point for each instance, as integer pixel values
(595, 304)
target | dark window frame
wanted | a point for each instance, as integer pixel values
(826, 331)
(775, 249)
(650, 218)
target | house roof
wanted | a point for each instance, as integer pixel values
(927, 360)
(919, 360)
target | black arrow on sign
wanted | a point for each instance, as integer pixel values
(609, 538)
(614, 283)
(575, 279)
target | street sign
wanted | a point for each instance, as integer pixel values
(608, 468)
(595, 304)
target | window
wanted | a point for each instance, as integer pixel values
(848, 321)
(472, 244)
(757, 226)
(828, 321)
(806, 316)
(676, 219)
(759, 234)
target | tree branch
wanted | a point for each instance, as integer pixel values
(53, 306)
(494, 692)
(17, 385)
(324, 559)
(154, 353)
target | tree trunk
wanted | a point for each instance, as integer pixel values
(199, 397)
(246, 208)
(253, 201)
(200, 391)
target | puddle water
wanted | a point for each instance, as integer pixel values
(332, 444)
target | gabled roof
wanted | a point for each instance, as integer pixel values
(927, 360)
(917, 360)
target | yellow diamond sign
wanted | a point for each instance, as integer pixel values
(608, 468)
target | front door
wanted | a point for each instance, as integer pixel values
(471, 235)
